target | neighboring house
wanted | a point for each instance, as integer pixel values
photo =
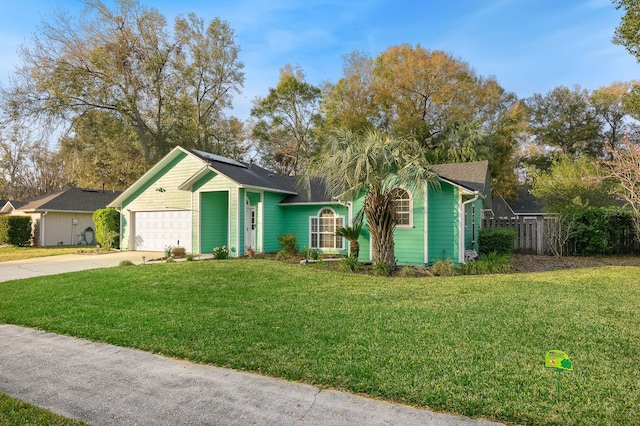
(200, 201)
(524, 206)
(62, 217)
(6, 207)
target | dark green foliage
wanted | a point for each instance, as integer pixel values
(599, 230)
(15, 230)
(499, 240)
(289, 243)
(351, 234)
(221, 253)
(107, 223)
(350, 264)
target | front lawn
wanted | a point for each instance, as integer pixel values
(16, 412)
(18, 253)
(472, 345)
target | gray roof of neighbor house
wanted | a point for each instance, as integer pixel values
(72, 200)
(524, 204)
(247, 174)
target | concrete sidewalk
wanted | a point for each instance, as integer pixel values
(108, 385)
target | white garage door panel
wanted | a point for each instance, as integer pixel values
(156, 230)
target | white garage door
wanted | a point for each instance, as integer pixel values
(156, 230)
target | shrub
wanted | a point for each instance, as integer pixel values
(380, 269)
(221, 253)
(15, 230)
(598, 230)
(350, 264)
(107, 223)
(190, 257)
(289, 243)
(443, 268)
(492, 263)
(125, 262)
(178, 252)
(499, 240)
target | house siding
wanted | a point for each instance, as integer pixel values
(471, 240)
(59, 228)
(214, 217)
(160, 192)
(443, 223)
(298, 223)
(273, 217)
(409, 242)
(211, 223)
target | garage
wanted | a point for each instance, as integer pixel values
(155, 230)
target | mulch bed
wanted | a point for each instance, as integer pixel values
(534, 263)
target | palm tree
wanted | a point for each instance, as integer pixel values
(351, 234)
(373, 164)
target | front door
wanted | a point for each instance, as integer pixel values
(250, 227)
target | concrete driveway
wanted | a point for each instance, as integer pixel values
(51, 265)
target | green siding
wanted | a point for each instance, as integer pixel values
(443, 226)
(365, 238)
(471, 240)
(214, 216)
(409, 242)
(215, 183)
(297, 221)
(273, 219)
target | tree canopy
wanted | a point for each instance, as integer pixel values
(168, 87)
(286, 121)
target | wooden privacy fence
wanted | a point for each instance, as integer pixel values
(529, 233)
(531, 237)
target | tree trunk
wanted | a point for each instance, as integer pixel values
(354, 248)
(379, 208)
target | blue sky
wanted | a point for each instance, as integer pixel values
(530, 46)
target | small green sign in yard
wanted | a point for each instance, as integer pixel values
(558, 359)
(560, 362)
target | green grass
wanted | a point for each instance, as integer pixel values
(472, 345)
(16, 412)
(19, 253)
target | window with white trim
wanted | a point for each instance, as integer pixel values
(404, 207)
(323, 229)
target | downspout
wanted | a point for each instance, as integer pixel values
(42, 228)
(476, 195)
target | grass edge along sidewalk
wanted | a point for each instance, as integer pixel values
(469, 345)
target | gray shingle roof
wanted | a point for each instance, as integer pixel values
(525, 202)
(473, 176)
(316, 193)
(72, 199)
(247, 174)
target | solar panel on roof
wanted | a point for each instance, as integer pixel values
(218, 158)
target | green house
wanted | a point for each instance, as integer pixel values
(199, 201)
